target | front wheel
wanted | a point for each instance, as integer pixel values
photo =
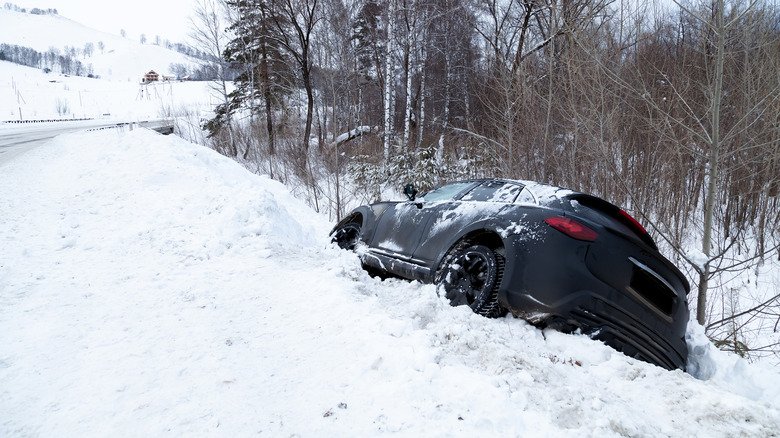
(471, 275)
(346, 236)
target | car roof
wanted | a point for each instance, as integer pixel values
(545, 194)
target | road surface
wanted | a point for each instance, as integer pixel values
(16, 139)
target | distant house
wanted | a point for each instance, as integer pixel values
(152, 76)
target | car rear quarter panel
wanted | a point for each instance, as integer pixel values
(543, 268)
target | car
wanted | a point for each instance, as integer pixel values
(555, 257)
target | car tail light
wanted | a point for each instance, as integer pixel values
(572, 228)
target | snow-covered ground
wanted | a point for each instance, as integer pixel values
(149, 287)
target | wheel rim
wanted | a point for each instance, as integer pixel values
(467, 278)
(347, 236)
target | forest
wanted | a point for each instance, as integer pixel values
(670, 110)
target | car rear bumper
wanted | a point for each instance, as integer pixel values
(619, 328)
(566, 284)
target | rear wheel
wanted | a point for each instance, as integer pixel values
(471, 276)
(346, 236)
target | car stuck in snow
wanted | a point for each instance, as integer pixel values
(555, 257)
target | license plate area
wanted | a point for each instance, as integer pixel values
(650, 287)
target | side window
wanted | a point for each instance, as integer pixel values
(525, 197)
(445, 192)
(493, 191)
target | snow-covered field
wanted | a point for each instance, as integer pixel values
(149, 287)
(121, 60)
(29, 94)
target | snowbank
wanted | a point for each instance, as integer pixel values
(149, 286)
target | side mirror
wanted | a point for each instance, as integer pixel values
(410, 191)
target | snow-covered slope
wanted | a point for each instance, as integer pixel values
(28, 93)
(152, 287)
(122, 59)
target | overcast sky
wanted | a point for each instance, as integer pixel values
(166, 18)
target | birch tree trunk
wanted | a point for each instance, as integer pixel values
(412, 65)
(447, 87)
(421, 70)
(389, 91)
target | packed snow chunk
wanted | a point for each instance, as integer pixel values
(758, 381)
(701, 361)
(696, 257)
(360, 130)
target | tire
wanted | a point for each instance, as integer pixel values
(347, 236)
(471, 276)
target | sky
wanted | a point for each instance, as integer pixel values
(169, 19)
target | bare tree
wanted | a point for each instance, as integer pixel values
(207, 31)
(702, 120)
(699, 95)
(89, 49)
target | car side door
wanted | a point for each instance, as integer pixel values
(397, 231)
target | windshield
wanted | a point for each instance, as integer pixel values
(446, 192)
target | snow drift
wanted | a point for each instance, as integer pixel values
(149, 286)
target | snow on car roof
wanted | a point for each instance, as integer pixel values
(545, 194)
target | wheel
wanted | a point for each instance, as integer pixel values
(346, 236)
(471, 276)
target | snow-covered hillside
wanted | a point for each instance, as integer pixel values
(121, 59)
(152, 287)
(29, 94)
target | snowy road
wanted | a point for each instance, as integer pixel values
(15, 139)
(152, 287)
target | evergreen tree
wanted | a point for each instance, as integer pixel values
(264, 75)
